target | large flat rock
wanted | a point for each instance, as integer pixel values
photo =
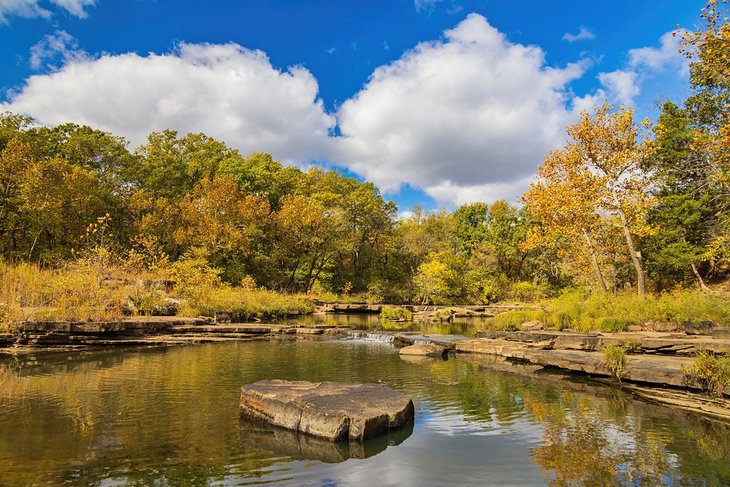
(330, 410)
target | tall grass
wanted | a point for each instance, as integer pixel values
(581, 310)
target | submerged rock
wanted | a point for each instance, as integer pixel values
(424, 350)
(330, 410)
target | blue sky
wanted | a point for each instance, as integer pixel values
(439, 102)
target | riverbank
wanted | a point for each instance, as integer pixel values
(661, 367)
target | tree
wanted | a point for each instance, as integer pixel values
(597, 173)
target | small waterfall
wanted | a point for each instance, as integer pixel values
(371, 336)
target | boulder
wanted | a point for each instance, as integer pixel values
(661, 326)
(330, 410)
(699, 328)
(424, 350)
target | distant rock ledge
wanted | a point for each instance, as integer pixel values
(331, 410)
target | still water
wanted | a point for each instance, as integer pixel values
(170, 417)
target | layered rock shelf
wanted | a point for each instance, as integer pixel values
(148, 331)
(656, 365)
(333, 411)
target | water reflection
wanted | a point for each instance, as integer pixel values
(280, 442)
(170, 417)
(367, 321)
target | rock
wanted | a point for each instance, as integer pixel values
(424, 350)
(634, 328)
(662, 327)
(223, 316)
(532, 326)
(169, 307)
(330, 410)
(700, 328)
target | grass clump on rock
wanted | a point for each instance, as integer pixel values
(710, 371)
(614, 359)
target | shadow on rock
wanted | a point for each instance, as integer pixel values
(298, 446)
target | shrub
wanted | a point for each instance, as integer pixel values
(614, 359)
(527, 291)
(511, 320)
(612, 324)
(495, 288)
(711, 372)
(395, 313)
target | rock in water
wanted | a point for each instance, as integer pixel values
(424, 349)
(331, 410)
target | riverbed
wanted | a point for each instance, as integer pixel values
(170, 417)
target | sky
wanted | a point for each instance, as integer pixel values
(438, 102)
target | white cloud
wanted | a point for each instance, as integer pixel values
(33, 8)
(427, 5)
(468, 118)
(665, 57)
(622, 86)
(75, 7)
(226, 91)
(584, 34)
(59, 45)
(22, 8)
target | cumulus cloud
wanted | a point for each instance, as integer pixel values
(584, 34)
(33, 8)
(468, 118)
(465, 118)
(666, 56)
(226, 91)
(57, 46)
(624, 85)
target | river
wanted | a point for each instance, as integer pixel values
(169, 416)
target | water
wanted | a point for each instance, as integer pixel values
(372, 322)
(170, 417)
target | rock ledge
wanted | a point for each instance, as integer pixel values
(331, 410)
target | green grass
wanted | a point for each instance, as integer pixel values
(581, 310)
(614, 359)
(395, 313)
(711, 372)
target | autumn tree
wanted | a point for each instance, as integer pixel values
(597, 173)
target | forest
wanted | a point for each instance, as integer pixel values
(624, 207)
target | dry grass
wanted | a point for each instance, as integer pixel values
(81, 290)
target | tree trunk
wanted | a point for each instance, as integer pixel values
(640, 279)
(703, 286)
(594, 261)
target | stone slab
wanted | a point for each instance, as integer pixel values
(330, 410)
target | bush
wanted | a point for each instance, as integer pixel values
(612, 324)
(711, 372)
(395, 313)
(529, 292)
(511, 320)
(584, 311)
(614, 359)
(495, 288)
